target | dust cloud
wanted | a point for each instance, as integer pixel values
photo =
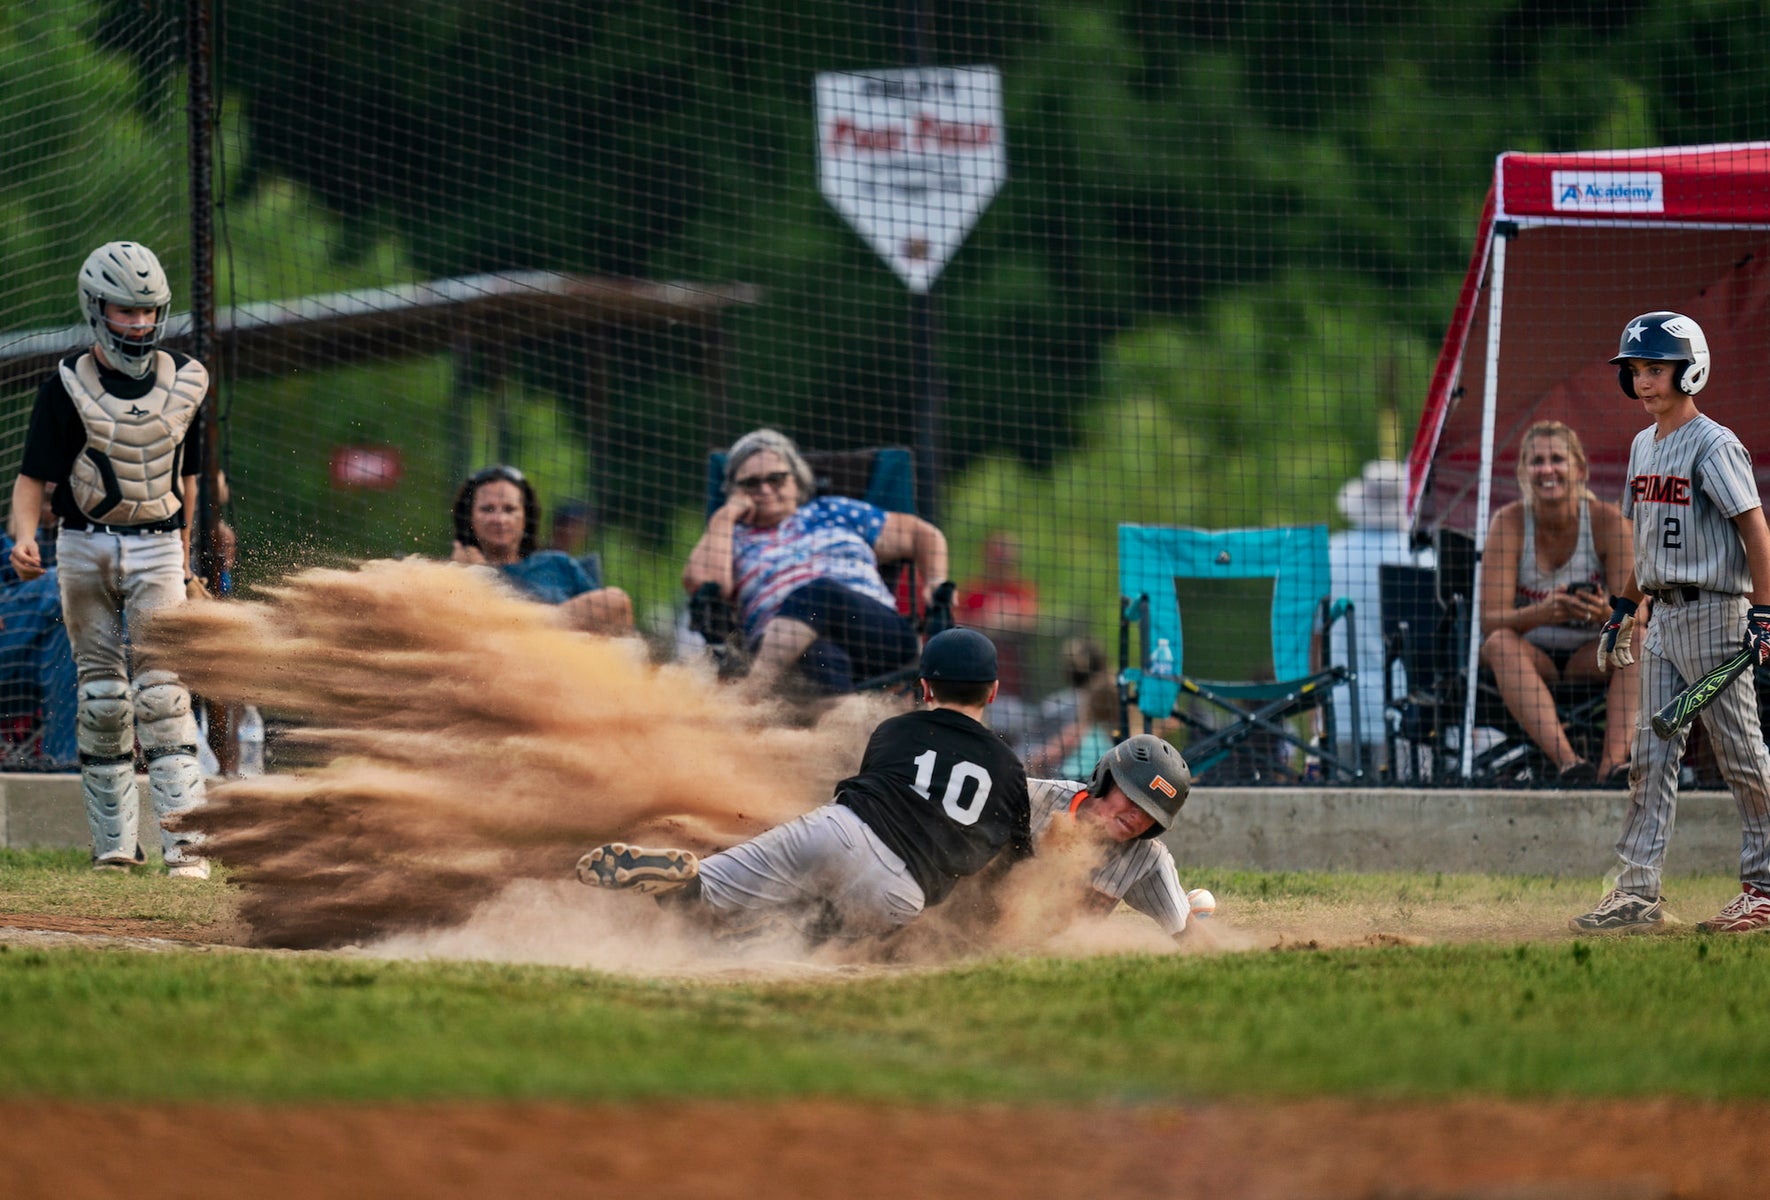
(448, 738)
(447, 752)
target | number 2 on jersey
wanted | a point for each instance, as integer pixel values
(1674, 529)
(956, 778)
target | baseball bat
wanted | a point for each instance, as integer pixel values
(1682, 708)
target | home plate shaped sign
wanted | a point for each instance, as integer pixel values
(911, 158)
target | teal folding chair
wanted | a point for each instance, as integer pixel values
(1247, 619)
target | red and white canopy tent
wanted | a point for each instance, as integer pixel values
(1570, 247)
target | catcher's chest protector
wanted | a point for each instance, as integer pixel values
(127, 472)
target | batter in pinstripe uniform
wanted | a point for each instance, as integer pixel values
(1702, 554)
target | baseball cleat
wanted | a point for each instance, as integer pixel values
(190, 868)
(118, 861)
(1621, 912)
(1745, 913)
(636, 869)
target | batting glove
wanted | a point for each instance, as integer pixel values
(1614, 640)
(1757, 631)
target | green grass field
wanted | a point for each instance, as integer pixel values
(1496, 1001)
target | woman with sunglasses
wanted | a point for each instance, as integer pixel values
(803, 569)
(496, 516)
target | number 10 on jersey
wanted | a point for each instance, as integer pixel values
(952, 801)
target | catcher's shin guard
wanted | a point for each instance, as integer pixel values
(175, 786)
(113, 809)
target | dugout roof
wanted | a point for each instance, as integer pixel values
(1570, 246)
(277, 336)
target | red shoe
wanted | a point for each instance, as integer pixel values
(1748, 911)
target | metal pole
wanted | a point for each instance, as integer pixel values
(923, 326)
(1490, 392)
(928, 396)
(199, 23)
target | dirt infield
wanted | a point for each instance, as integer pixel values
(1313, 1151)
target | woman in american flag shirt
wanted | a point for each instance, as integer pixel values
(803, 569)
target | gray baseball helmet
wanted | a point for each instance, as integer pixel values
(1151, 774)
(1664, 337)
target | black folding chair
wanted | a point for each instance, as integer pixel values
(1430, 716)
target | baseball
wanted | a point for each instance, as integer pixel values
(1202, 903)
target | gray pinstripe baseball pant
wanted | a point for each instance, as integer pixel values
(1683, 642)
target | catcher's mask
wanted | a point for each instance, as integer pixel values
(1664, 337)
(126, 274)
(1151, 774)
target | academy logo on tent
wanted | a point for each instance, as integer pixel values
(1608, 191)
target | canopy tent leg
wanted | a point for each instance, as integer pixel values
(1490, 392)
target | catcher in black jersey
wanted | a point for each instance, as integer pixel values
(937, 797)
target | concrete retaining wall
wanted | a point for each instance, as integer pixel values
(1261, 829)
(45, 811)
(1392, 829)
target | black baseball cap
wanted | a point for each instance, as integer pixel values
(959, 656)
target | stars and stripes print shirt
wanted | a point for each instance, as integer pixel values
(830, 538)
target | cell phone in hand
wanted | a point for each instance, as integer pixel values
(1584, 585)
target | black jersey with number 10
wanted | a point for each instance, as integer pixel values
(944, 793)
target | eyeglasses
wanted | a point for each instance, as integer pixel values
(774, 480)
(488, 474)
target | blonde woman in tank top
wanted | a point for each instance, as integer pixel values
(1552, 561)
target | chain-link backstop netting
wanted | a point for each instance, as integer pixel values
(1180, 265)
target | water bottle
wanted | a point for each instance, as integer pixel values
(1161, 660)
(250, 732)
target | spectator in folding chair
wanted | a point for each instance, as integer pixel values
(37, 677)
(1088, 733)
(803, 570)
(496, 515)
(1552, 561)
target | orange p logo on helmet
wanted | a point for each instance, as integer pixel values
(1163, 786)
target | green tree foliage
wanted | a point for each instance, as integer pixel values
(1245, 223)
(72, 164)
